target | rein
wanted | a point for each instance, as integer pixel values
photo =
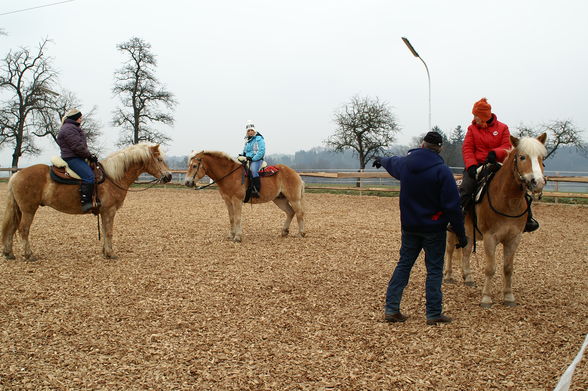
(151, 183)
(214, 181)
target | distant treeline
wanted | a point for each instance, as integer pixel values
(566, 159)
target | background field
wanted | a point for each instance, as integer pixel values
(183, 308)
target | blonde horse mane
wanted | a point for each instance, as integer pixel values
(218, 154)
(116, 164)
(532, 147)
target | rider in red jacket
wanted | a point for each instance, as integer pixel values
(486, 141)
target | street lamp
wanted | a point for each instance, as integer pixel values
(414, 53)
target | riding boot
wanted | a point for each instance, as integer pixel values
(86, 191)
(256, 187)
(531, 224)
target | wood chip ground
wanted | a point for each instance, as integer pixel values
(183, 308)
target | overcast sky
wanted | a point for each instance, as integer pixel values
(289, 65)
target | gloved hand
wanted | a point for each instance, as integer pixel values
(491, 158)
(472, 171)
(249, 158)
(93, 159)
(377, 162)
(462, 242)
(241, 158)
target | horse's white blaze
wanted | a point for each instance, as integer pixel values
(537, 173)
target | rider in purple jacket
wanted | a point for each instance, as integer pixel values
(74, 150)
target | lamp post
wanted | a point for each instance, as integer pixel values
(414, 53)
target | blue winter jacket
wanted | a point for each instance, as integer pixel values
(429, 198)
(255, 147)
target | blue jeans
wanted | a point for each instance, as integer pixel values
(254, 166)
(81, 168)
(412, 243)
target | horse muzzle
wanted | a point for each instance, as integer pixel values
(535, 185)
(166, 178)
(189, 183)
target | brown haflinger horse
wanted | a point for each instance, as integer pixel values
(285, 188)
(33, 187)
(501, 215)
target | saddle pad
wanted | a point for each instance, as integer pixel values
(57, 161)
(268, 171)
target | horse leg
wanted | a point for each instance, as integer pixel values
(299, 211)
(231, 219)
(466, 271)
(237, 204)
(509, 251)
(107, 225)
(283, 204)
(24, 230)
(10, 223)
(489, 270)
(448, 266)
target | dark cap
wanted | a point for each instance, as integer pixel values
(434, 138)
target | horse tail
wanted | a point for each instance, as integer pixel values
(12, 214)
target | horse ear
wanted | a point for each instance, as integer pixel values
(514, 141)
(542, 138)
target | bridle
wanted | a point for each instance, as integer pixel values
(199, 160)
(524, 184)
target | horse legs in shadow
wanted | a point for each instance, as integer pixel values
(291, 208)
(465, 255)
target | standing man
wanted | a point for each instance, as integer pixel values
(486, 141)
(429, 200)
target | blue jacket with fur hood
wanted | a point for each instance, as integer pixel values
(429, 198)
(255, 147)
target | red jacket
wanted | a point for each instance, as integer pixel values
(479, 141)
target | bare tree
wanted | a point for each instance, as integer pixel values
(559, 133)
(26, 79)
(48, 122)
(365, 126)
(141, 95)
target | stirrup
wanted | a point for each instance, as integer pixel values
(87, 207)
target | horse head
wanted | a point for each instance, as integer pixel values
(156, 166)
(196, 169)
(528, 158)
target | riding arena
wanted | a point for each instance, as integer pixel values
(185, 308)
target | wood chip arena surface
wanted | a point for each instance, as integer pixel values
(183, 308)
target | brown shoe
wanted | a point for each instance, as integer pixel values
(440, 319)
(395, 318)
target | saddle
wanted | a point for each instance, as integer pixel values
(484, 176)
(61, 173)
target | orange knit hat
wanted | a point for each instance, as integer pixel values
(482, 109)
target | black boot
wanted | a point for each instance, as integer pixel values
(256, 188)
(86, 191)
(532, 224)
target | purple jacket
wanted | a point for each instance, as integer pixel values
(72, 140)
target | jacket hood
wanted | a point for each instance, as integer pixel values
(421, 159)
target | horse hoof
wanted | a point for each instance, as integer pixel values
(113, 257)
(285, 233)
(470, 283)
(486, 305)
(449, 280)
(31, 258)
(237, 240)
(301, 235)
(510, 304)
(9, 256)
